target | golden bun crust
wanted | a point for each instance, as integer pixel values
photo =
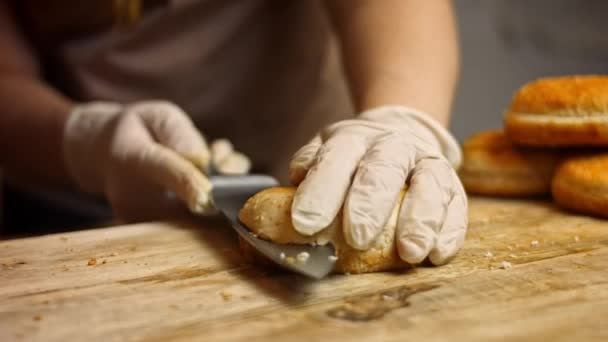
(581, 184)
(493, 166)
(268, 215)
(568, 95)
(560, 111)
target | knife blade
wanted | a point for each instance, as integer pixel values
(230, 194)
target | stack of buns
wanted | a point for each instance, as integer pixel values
(555, 141)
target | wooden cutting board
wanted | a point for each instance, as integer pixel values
(186, 281)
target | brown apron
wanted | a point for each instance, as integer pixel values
(263, 73)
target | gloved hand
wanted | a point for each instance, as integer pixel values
(142, 156)
(364, 163)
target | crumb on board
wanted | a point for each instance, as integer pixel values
(105, 261)
(387, 297)
(576, 238)
(282, 256)
(332, 258)
(513, 256)
(38, 318)
(173, 306)
(534, 243)
(488, 254)
(114, 254)
(92, 262)
(63, 238)
(302, 257)
(290, 260)
(245, 297)
(226, 295)
(505, 265)
(509, 247)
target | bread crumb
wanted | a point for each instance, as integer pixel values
(282, 256)
(510, 247)
(290, 260)
(103, 262)
(488, 254)
(576, 238)
(38, 318)
(347, 273)
(534, 243)
(513, 256)
(173, 306)
(63, 238)
(92, 262)
(114, 254)
(332, 258)
(387, 297)
(505, 265)
(302, 257)
(226, 295)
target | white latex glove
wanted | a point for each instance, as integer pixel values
(142, 156)
(363, 164)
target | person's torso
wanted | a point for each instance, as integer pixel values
(212, 57)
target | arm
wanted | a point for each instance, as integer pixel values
(131, 154)
(401, 61)
(32, 114)
(398, 52)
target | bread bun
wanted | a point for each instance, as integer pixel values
(493, 166)
(268, 215)
(581, 184)
(560, 111)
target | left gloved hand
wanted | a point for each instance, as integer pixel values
(147, 158)
(362, 165)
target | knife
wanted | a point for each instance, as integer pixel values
(230, 194)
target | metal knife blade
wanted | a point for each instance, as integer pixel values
(230, 194)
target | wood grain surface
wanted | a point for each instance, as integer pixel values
(184, 281)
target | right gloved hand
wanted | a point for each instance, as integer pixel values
(138, 155)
